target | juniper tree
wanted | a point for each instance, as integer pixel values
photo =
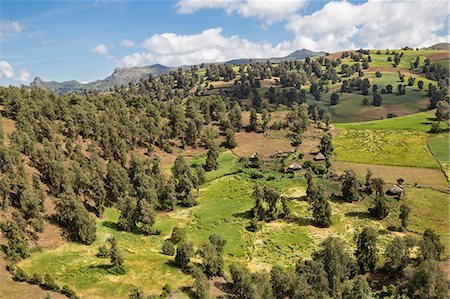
(350, 186)
(366, 250)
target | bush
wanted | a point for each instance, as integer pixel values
(66, 290)
(178, 235)
(20, 275)
(102, 251)
(50, 283)
(167, 248)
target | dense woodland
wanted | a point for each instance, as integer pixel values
(84, 152)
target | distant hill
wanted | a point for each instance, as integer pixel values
(122, 76)
(297, 55)
(118, 77)
(441, 46)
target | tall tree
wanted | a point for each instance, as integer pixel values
(366, 250)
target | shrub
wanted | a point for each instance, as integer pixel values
(167, 248)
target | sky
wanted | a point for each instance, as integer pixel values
(86, 40)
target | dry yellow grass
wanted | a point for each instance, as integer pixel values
(424, 177)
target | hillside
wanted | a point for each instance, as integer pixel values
(122, 76)
(229, 180)
(441, 46)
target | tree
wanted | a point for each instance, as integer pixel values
(350, 186)
(168, 198)
(178, 235)
(211, 258)
(136, 294)
(211, 159)
(184, 254)
(200, 172)
(235, 117)
(427, 281)
(396, 257)
(184, 181)
(201, 285)
(381, 208)
(334, 98)
(315, 275)
(167, 248)
(230, 140)
(366, 250)
(320, 207)
(377, 99)
(404, 215)
(336, 262)
(430, 246)
(420, 84)
(365, 102)
(116, 258)
(253, 127)
(72, 214)
(117, 183)
(358, 288)
(326, 146)
(17, 247)
(442, 111)
(368, 184)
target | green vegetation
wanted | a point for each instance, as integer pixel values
(386, 147)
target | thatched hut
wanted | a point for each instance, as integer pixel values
(395, 190)
(319, 157)
(295, 166)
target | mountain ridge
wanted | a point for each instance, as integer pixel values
(125, 75)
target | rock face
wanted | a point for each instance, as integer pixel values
(120, 76)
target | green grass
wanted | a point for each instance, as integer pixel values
(419, 121)
(439, 146)
(77, 266)
(386, 147)
(227, 165)
(429, 209)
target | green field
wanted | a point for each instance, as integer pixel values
(418, 121)
(386, 147)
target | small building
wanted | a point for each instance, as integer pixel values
(254, 156)
(294, 167)
(395, 190)
(319, 157)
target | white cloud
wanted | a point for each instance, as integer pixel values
(338, 25)
(208, 46)
(8, 28)
(127, 43)
(101, 49)
(7, 71)
(265, 10)
(374, 24)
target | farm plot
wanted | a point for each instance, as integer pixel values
(386, 147)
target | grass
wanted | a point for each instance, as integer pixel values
(77, 266)
(429, 209)
(386, 147)
(439, 146)
(419, 121)
(227, 165)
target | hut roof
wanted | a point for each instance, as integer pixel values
(254, 155)
(319, 157)
(395, 190)
(295, 166)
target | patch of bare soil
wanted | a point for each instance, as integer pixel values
(439, 56)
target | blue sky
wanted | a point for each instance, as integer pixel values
(86, 40)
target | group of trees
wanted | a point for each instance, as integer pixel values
(334, 272)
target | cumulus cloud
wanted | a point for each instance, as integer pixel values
(8, 28)
(102, 50)
(208, 46)
(267, 11)
(7, 71)
(127, 43)
(338, 25)
(374, 24)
